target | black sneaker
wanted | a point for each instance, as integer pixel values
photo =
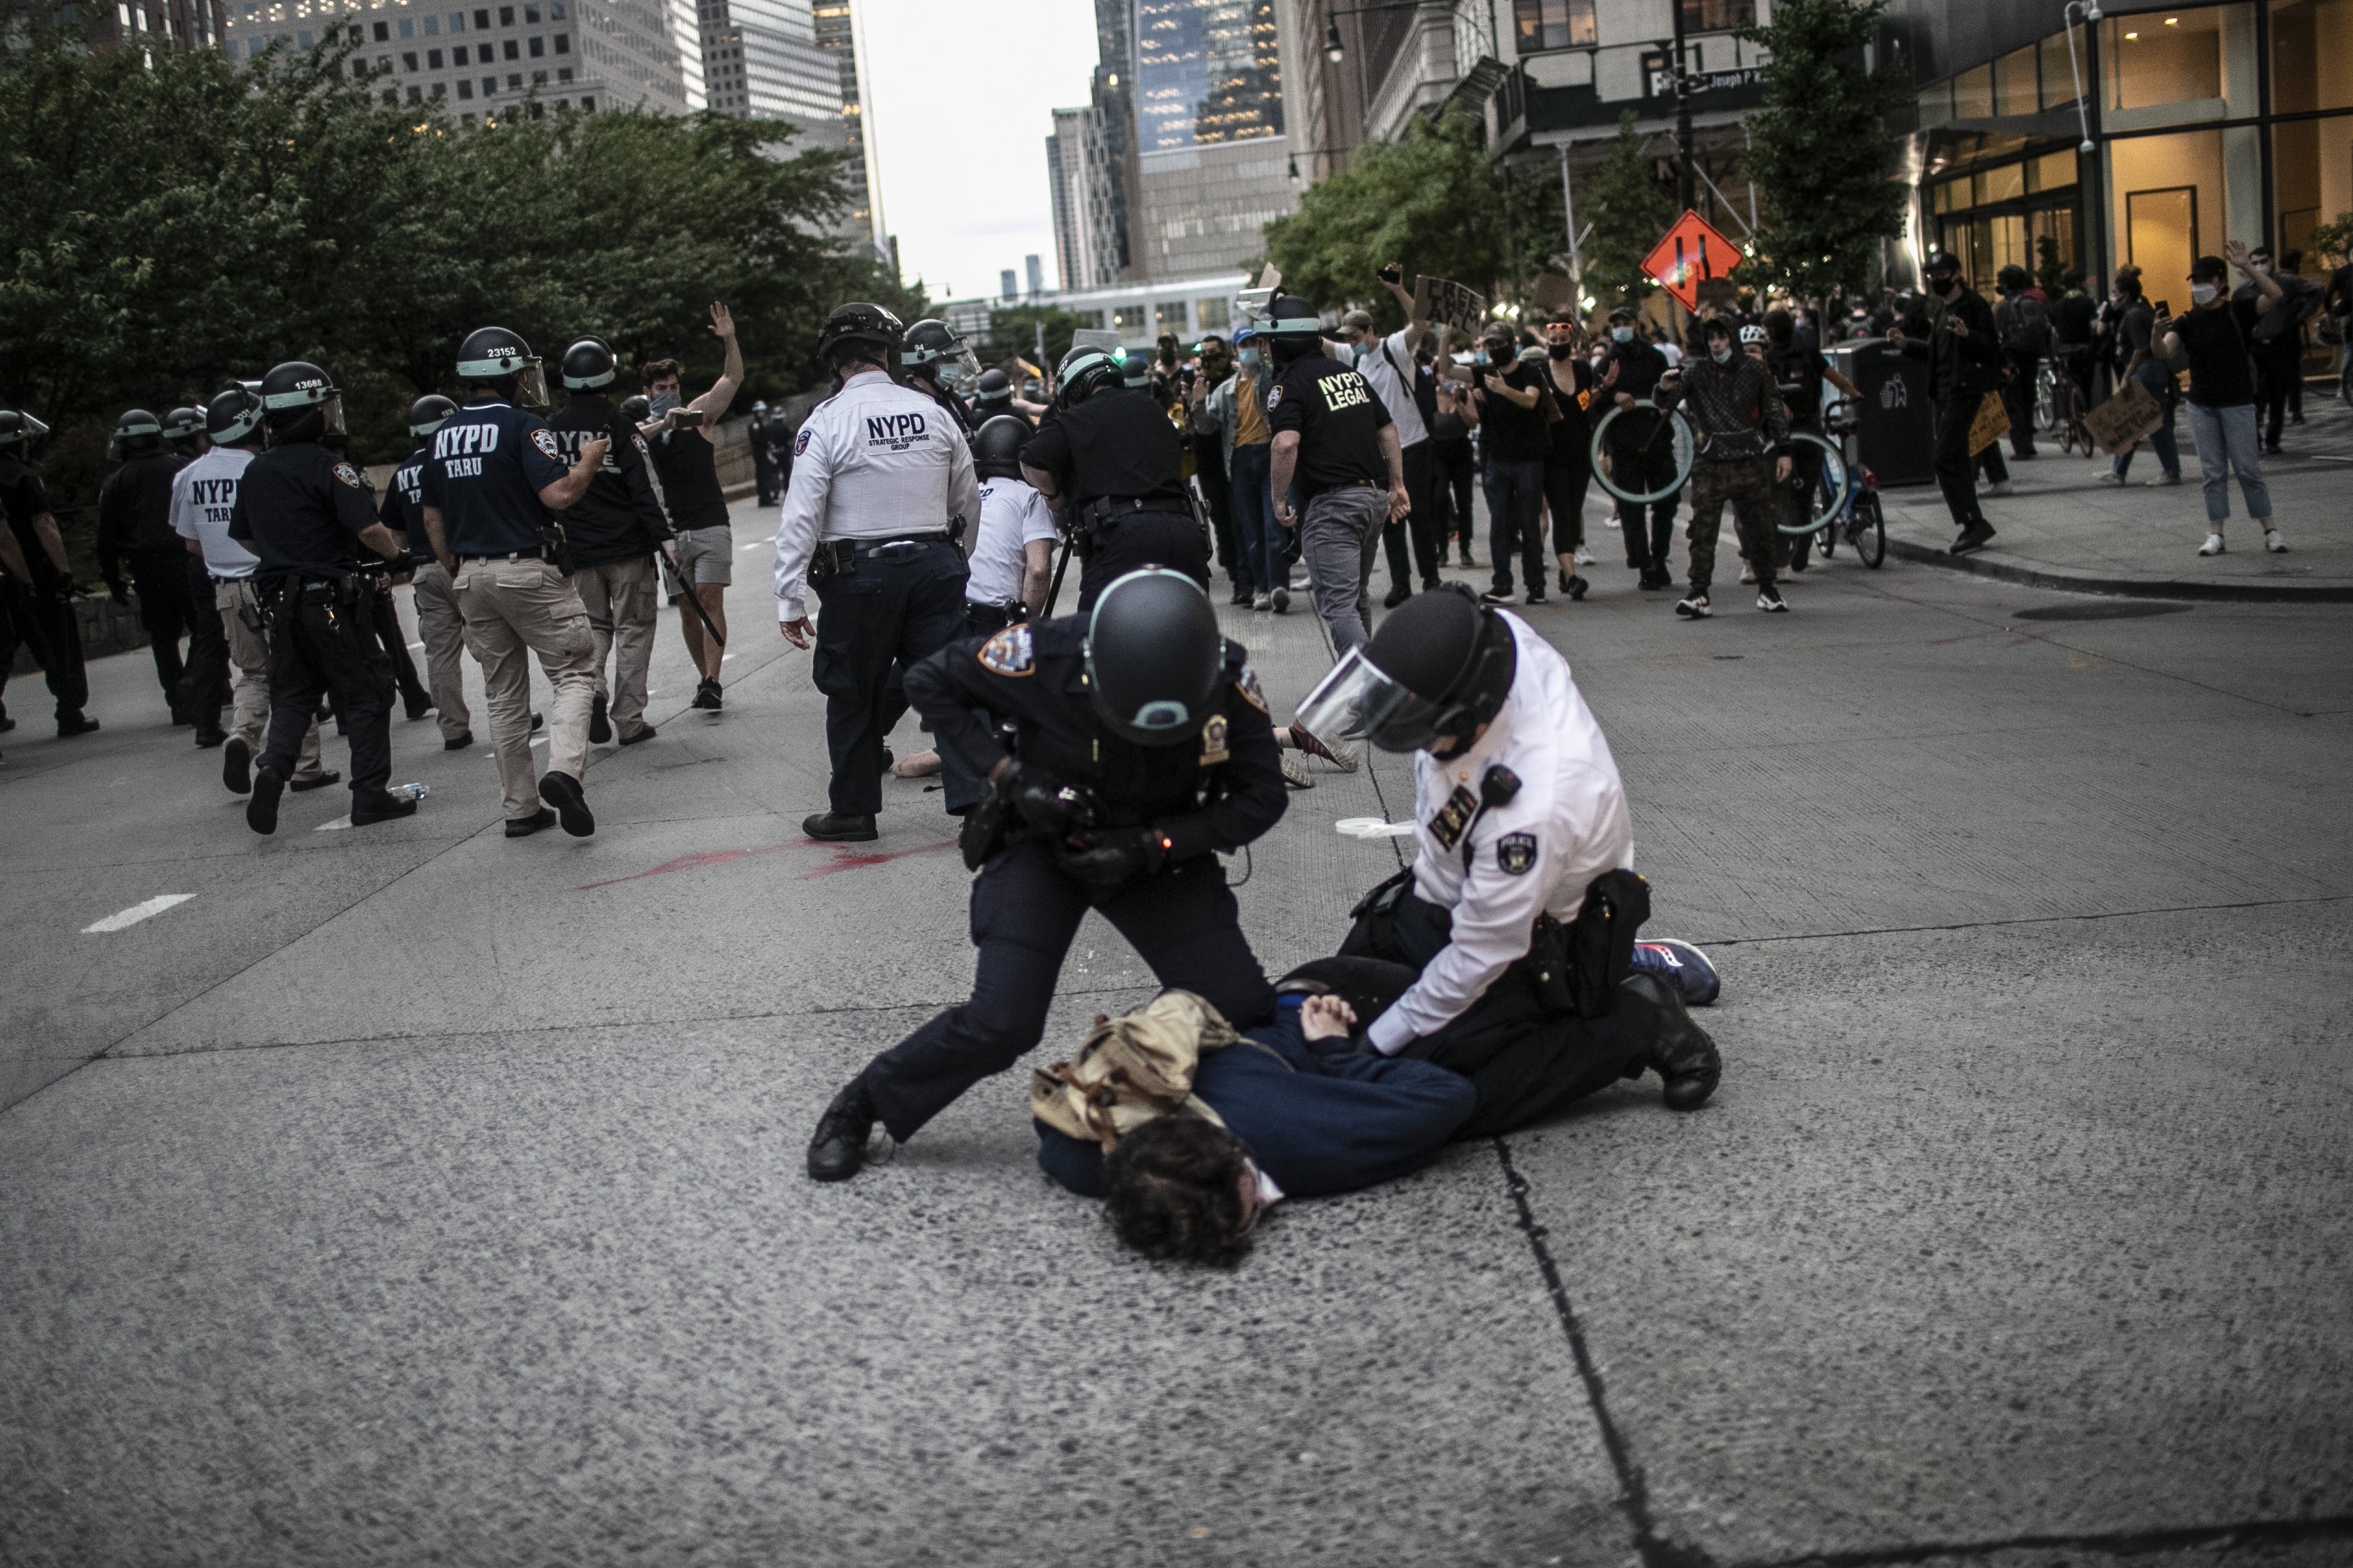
(458, 743)
(833, 829)
(563, 792)
(1499, 596)
(391, 808)
(209, 737)
(1694, 607)
(706, 695)
(644, 734)
(600, 728)
(416, 707)
(1768, 599)
(237, 766)
(1396, 595)
(319, 780)
(524, 827)
(261, 811)
(79, 724)
(1578, 587)
(1971, 539)
(1535, 596)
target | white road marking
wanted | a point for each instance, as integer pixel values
(757, 544)
(332, 826)
(723, 658)
(137, 912)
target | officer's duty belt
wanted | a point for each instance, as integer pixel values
(538, 554)
(877, 546)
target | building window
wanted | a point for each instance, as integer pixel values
(563, 43)
(530, 15)
(538, 46)
(466, 90)
(588, 106)
(416, 95)
(432, 27)
(304, 39)
(513, 50)
(1207, 72)
(1169, 317)
(514, 81)
(384, 32)
(433, 60)
(2015, 89)
(438, 91)
(539, 79)
(489, 86)
(1717, 16)
(563, 103)
(2173, 70)
(457, 21)
(556, 11)
(2177, 197)
(467, 121)
(391, 95)
(408, 62)
(1128, 320)
(407, 28)
(483, 21)
(457, 56)
(2312, 58)
(1973, 94)
(1552, 25)
(564, 74)
(2058, 71)
(358, 36)
(2312, 172)
(506, 16)
(1093, 319)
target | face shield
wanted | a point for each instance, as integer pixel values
(531, 385)
(1358, 701)
(958, 369)
(27, 431)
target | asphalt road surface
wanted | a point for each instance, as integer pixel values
(407, 1194)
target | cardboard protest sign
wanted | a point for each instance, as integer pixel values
(1551, 290)
(2124, 420)
(1437, 299)
(1991, 424)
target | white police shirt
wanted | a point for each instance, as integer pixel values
(1494, 869)
(203, 495)
(876, 460)
(1013, 515)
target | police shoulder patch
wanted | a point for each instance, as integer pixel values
(1010, 652)
(1273, 396)
(1247, 684)
(800, 442)
(350, 476)
(643, 450)
(1515, 853)
(545, 441)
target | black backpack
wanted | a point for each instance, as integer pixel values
(2026, 326)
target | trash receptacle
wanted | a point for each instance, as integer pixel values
(1897, 437)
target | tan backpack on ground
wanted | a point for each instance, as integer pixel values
(1132, 1070)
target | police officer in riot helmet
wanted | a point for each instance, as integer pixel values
(937, 362)
(493, 474)
(206, 680)
(183, 431)
(305, 512)
(37, 601)
(1112, 464)
(883, 488)
(134, 529)
(439, 626)
(993, 396)
(1142, 747)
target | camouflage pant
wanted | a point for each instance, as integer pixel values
(1748, 484)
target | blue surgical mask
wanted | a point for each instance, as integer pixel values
(663, 402)
(1623, 334)
(1722, 355)
(1250, 359)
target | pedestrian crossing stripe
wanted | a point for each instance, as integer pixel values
(1010, 652)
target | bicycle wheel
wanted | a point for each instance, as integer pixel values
(1686, 451)
(1870, 534)
(2047, 412)
(1828, 498)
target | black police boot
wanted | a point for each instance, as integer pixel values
(79, 724)
(836, 829)
(319, 780)
(389, 808)
(261, 811)
(838, 1146)
(644, 734)
(600, 728)
(458, 743)
(209, 735)
(1398, 595)
(563, 792)
(537, 721)
(1681, 1052)
(524, 827)
(237, 766)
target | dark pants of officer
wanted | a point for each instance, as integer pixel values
(207, 676)
(45, 624)
(1421, 525)
(317, 645)
(1452, 476)
(168, 609)
(1525, 1062)
(901, 601)
(1746, 484)
(1181, 921)
(981, 620)
(763, 477)
(1955, 467)
(2275, 377)
(1641, 464)
(1134, 539)
(387, 620)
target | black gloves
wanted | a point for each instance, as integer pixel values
(1113, 856)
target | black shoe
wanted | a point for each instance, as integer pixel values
(600, 728)
(261, 811)
(1242, 595)
(1577, 587)
(838, 1147)
(1768, 599)
(391, 808)
(536, 722)
(319, 780)
(237, 766)
(1535, 596)
(524, 827)
(6, 724)
(563, 792)
(1396, 595)
(706, 694)
(887, 759)
(1498, 597)
(644, 734)
(836, 829)
(1970, 539)
(458, 743)
(1681, 1053)
(79, 724)
(1430, 582)
(417, 706)
(207, 739)
(1653, 581)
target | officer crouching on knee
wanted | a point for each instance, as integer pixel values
(882, 487)
(1113, 466)
(495, 473)
(304, 512)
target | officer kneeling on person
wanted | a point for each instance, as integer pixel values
(882, 487)
(495, 475)
(1113, 466)
(1511, 938)
(1143, 746)
(302, 510)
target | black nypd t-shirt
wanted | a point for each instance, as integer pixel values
(484, 471)
(620, 516)
(404, 502)
(302, 508)
(1116, 443)
(1339, 419)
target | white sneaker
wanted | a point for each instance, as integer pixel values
(2000, 488)
(2274, 543)
(1694, 608)
(1747, 572)
(2112, 478)
(1609, 521)
(1584, 556)
(2163, 479)
(1261, 601)
(2213, 545)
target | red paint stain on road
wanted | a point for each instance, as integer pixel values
(844, 861)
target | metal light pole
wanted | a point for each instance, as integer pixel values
(1684, 193)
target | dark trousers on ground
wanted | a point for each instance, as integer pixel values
(1139, 539)
(763, 477)
(207, 676)
(317, 647)
(1218, 499)
(1799, 498)
(896, 604)
(1565, 485)
(1516, 520)
(168, 612)
(1525, 1062)
(395, 647)
(1452, 476)
(1419, 526)
(2273, 377)
(1641, 465)
(1955, 468)
(2017, 399)
(1181, 922)
(46, 624)
(1748, 484)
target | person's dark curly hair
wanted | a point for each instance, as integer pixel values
(1173, 1189)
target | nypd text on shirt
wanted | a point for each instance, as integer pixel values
(217, 496)
(453, 443)
(1345, 390)
(894, 432)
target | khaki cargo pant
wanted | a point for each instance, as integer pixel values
(621, 603)
(248, 655)
(443, 631)
(515, 609)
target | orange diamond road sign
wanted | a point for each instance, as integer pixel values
(1692, 251)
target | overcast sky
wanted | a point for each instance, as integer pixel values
(960, 91)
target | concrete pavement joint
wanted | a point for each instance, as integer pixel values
(1977, 565)
(2126, 1543)
(2023, 921)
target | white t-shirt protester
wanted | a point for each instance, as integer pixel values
(1388, 365)
(1012, 514)
(203, 495)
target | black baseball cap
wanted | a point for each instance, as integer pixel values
(2210, 269)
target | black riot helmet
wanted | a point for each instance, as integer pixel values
(870, 328)
(1294, 328)
(934, 349)
(233, 416)
(429, 413)
(636, 410)
(993, 390)
(1084, 373)
(1439, 666)
(1153, 657)
(299, 403)
(996, 447)
(19, 430)
(181, 426)
(499, 360)
(137, 434)
(588, 364)
(1136, 368)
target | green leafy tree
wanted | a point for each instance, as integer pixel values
(1818, 152)
(2333, 238)
(1014, 331)
(1629, 213)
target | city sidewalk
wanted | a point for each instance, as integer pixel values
(2061, 528)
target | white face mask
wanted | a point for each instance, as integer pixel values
(2202, 293)
(1722, 355)
(1623, 334)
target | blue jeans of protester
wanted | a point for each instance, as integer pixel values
(2168, 455)
(1261, 536)
(2226, 440)
(1516, 520)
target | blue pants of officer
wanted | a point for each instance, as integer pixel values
(1138, 539)
(901, 603)
(1526, 1063)
(1181, 921)
(317, 647)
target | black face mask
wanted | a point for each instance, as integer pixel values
(1560, 351)
(1943, 285)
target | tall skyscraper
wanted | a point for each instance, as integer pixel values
(761, 61)
(840, 31)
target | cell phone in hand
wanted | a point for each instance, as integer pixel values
(1392, 273)
(686, 419)
(2163, 310)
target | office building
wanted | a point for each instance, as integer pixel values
(840, 32)
(1184, 308)
(189, 23)
(761, 61)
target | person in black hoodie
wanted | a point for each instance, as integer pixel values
(1964, 355)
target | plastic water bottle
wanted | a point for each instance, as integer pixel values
(411, 792)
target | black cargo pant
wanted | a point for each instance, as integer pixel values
(1181, 921)
(1639, 464)
(1956, 468)
(1451, 477)
(207, 672)
(1748, 484)
(168, 609)
(318, 644)
(32, 615)
(899, 602)
(1138, 539)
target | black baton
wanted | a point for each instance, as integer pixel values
(1055, 591)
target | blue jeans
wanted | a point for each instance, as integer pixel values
(1261, 536)
(2168, 456)
(2226, 440)
(1516, 520)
